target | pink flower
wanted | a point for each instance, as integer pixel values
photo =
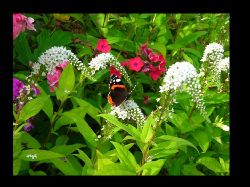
(155, 72)
(145, 50)
(53, 77)
(103, 46)
(125, 64)
(20, 23)
(63, 65)
(153, 57)
(145, 68)
(136, 64)
(114, 71)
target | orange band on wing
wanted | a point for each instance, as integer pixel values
(110, 100)
(117, 86)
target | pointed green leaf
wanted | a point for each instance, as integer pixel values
(37, 173)
(147, 130)
(126, 157)
(22, 49)
(190, 169)
(84, 157)
(38, 155)
(112, 155)
(66, 83)
(153, 167)
(211, 163)
(202, 138)
(178, 141)
(89, 108)
(48, 108)
(30, 141)
(16, 166)
(83, 128)
(183, 42)
(32, 107)
(66, 149)
(64, 165)
(115, 169)
(130, 129)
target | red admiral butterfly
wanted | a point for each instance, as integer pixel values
(118, 91)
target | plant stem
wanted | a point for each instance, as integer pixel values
(52, 122)
(146, 151)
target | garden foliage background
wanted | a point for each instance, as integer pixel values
(175, 121)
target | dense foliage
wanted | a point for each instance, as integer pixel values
(173, 119)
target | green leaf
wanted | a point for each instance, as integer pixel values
(84, 157)
(16, 166)
(126, 157)
(65, 166)
(130, 129)
(48, 108)
(37, 173)
(99, 76)
(102, 160)
(83, 128)
(112, 40)
(62, 140)
(193, 51)
(75, 163)
(147, 130)
(202, 138)
(190, 169)
(153, 167)
(211, 163)
(89, 108)
(38, 155)
(61, 38)
(112, 155)
(84, 51)
(22, 49)
(183, 42)
(187, 58)
(66, 149)
(66, 83)
(30, 141)
(44, 43)
(159, 47)
(115, 169)
(63, 120)
(161, 152)
(216, 98)
(16, 145)
(177, 142)
(32, 107)
(183, 123)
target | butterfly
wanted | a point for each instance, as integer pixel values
(117, 91)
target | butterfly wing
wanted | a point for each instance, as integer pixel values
(117, 96)
(118, 92)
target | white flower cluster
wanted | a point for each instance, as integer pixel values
(223, 65)
(128, 110)
(53, 57)
(101, 62)
(177, 74)
(213, 53)
(213, 63)
(182, 76)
